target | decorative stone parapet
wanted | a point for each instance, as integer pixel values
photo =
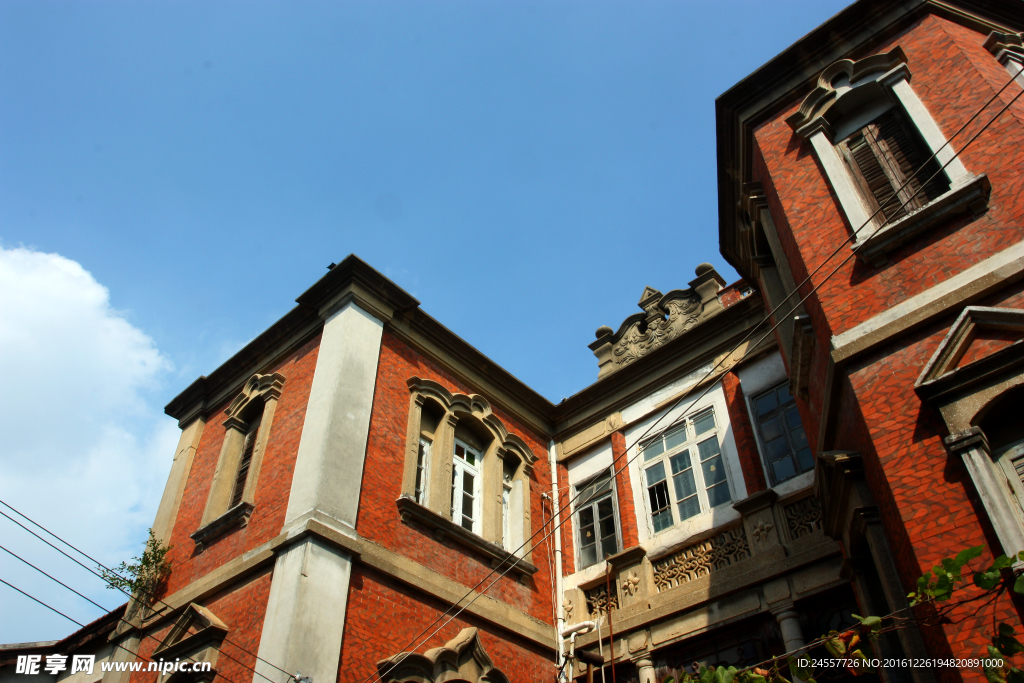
(803, 517)
(701, 559)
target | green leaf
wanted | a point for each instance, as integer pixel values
(1018, 585)
(987, 580)
(1015, 675)
(797, 670)
(1002, 562)
(968, 554)
(873, 623)
(943, 588)
(951, 567)
(1005, 629)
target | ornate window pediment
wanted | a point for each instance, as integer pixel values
(197, 634)
(982, 343)
(461, 660)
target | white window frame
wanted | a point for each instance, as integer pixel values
(421, 490)
(690, 443)
(460, 467)
(580, 504)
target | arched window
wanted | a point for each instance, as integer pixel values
(246, 432)
(873, 137)
(1001, 422)
(463, 465)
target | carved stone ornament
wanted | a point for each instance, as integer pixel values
(835, 82)
(631, 583)
(803, 517)
(598, 602)
(667, 317)
(701, 559)
(567, 609)
(762, 530)
(462, 658)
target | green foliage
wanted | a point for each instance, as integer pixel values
(145, 575)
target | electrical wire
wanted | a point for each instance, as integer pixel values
(104, 579)
(710, 373)
(80, 624)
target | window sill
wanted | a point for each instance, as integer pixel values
(499, 557)
(971, 196)
(235, 518)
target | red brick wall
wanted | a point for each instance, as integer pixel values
(624, 491)
(928, 504)
(385, 617)
(378, 518)
(954, 76)
(743, 434)
(242, 608)
(271, 495)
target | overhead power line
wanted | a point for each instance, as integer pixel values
(896, 195)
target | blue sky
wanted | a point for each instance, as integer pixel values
(184, 170)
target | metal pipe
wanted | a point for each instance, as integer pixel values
(556, 506)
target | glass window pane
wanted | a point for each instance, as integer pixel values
(784, 395)
(689, 507)
(675, 439)
(777, 449)
(685, 485)
(587, 524)
(607, 527)
(704, 423)
(799, 438)
(765, 404)
(783, 470)
(655, 473)
(714, 471)
(717, 495)
(460, 451)
(467, 506)
(467, 523)
(772, 429)
(805, 459)
(654, 449)
(708, 449)
(467, 483)
(588, 555)
(604, 509)
(680, 461)
(661, 520)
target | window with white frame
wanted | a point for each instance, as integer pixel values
(596, 523)
(466, 487)
(873, 137)
(422, 472)
(783, 441)
(684, 471)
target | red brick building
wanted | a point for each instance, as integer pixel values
(907, 356)
(716, 496)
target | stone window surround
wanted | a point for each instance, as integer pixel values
(217, 518)
(962, 393)
(869, 87)
(1008, 49)
(503, 448)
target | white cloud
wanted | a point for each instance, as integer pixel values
(82, 451)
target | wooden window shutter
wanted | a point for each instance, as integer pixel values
(885, 155)
(243, 465)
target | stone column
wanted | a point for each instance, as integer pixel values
(167, 513)
(305, 618)
(789, 623)
(645, 667)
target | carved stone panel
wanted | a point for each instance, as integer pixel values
(701, 559)
(803, 517)
(598, 602)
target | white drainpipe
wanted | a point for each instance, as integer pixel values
(556, 506)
